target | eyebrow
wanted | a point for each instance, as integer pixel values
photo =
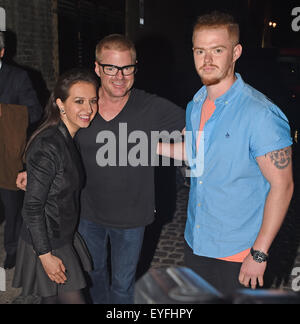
(85, 98)
(218, 46)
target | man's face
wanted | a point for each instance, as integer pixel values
(215, 55)
(119, 85)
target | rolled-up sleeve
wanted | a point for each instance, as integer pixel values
(272, 132)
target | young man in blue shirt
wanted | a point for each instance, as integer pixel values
(240, 195)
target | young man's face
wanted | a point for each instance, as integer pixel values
(215, 54)
(119, 85)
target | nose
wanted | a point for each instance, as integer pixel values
(207, 57)
(120, 74)
(88, 107)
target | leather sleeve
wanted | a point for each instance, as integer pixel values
(42, 165)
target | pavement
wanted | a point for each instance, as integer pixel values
(11, 293)
(163, 245)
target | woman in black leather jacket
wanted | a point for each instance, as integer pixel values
(51, 253)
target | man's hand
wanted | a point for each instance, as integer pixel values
(276, 167)
(21, 181)
(251, 272)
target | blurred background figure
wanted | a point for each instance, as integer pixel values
(15, 91)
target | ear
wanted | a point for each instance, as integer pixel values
(97, 69)
(237, 52)
(59, 102)
(60, 106)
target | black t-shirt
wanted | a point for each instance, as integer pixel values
(117, 156)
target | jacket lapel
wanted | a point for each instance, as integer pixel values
(76, 159)
(3, 80)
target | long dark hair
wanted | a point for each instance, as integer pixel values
(61, 90)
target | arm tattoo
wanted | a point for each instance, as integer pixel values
(282, 158)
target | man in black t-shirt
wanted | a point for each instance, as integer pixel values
(118, 199)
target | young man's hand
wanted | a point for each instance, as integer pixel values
(252, 272)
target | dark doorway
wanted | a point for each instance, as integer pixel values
(81, 24)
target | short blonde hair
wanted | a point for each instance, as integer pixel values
(116, 42)
(218, 19)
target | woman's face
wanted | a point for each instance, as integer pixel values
(79, 109)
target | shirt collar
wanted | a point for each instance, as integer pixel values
(232, 92)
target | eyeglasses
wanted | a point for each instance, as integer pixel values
(113, 70)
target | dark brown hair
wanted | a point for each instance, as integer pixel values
(61, 90)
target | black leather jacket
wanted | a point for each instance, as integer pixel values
(54, 179)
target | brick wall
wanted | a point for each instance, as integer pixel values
(32, 40)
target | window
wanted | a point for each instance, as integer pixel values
(142, 13)
(2, 19)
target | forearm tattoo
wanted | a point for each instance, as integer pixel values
(282, 158)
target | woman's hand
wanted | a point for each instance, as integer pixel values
(54, 268)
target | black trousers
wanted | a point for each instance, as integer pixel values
(11, 206)
(223, 275)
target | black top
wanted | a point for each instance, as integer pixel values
(54, 180)
(117, 195)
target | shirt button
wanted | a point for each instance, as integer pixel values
(200, 182)
(199, 205)
(198, 226)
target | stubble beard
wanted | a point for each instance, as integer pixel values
(209, 82)
(213, 80)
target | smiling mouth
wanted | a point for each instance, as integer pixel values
(118, 83)
(85, 118)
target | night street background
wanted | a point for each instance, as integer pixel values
(47, 37)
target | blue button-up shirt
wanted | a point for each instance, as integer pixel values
(227, 198)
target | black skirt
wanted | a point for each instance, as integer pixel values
(31, 276)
